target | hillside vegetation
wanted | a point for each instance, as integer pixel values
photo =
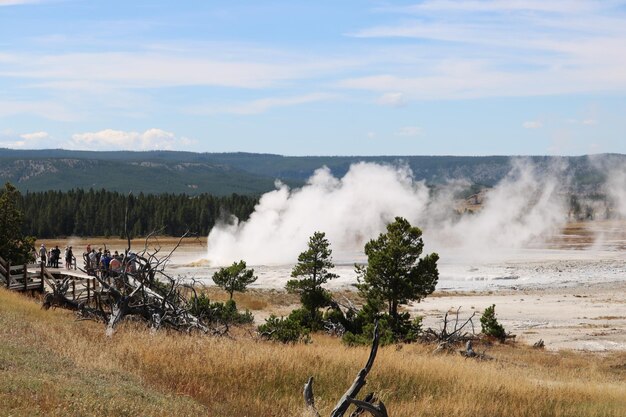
(53, 365)
(245, 173)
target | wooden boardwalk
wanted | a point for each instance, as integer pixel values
(21, 277)
(38, 278)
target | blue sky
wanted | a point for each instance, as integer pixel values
(475, 77)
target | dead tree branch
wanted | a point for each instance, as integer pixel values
(309, 398)
(143, 289)
(349, 397)
(451, 332)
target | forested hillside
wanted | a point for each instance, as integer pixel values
(148, 176)
(244, 173)
(101, 213)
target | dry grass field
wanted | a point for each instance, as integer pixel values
(53, 365)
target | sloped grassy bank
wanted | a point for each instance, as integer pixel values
(51, 364)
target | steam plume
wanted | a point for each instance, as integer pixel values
(350, 210)
(355, 208)
(616, 188)
(523, 209)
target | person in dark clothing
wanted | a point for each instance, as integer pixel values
(68, 258)
(98, 257)
(104, 264)
(56, 254)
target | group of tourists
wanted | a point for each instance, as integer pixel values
(97, 262)
(106, 264)
(51, 258)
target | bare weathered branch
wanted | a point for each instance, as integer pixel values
(309, 398)
(349, 397)
(377, 410)
(445, 338)
(359, 381)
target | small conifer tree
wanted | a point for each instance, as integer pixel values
(310, 273)
(490, 325)
(234, 278)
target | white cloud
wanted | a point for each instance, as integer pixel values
(35, 140)
(46, 109)
(409, 131)
(110, 139)
(35, 136)
(148, 69)
(371, 135)
(9, 140)
(17, 2)
(532, 124)
(466, 80)
(584, 122)
(499, 48)
(16, 144)
(263, 105)
(552, 6)
(392, 100)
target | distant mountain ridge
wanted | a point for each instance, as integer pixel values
(248, 173)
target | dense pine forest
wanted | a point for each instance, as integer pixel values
(101, 213)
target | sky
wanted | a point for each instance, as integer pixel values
(349, 77)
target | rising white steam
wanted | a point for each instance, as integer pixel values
(616, 189)
(351, 210)
(522, 210)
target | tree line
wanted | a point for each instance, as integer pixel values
(102, 213)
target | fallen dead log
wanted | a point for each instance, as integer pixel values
(469, 352)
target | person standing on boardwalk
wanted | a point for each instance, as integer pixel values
(98, 257)
(93, 264)
(56, 254)
(105, 260)
(42, 254)
(86, 256)
(115, 266)
(68, 258)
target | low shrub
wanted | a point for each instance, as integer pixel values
(400, 330)
(218, 312)
(284, 330)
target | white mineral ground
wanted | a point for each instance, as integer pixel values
(570, 291)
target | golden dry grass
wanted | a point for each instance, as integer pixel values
(117, 243)
(197, 375)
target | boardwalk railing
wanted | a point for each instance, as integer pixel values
(17, 277)
(36, 277)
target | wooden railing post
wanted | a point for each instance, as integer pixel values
(3, 266)
(25, 273)
(88, 293)
(73, 290)
(8, 274)
(42, 275)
